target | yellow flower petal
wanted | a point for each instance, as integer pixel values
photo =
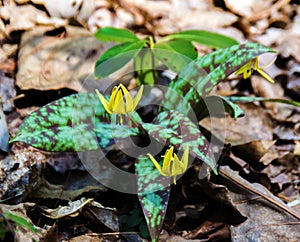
(168, 158)
(176, 166)
(157, 165)
(120, 101)
(174, 180)
(128, 99)
(104, 102)
(246, 70)
(252, 65)
(185, 157)
(172, 166)
(138, 97)
(118, 105)
(265, 75)
(112, 99)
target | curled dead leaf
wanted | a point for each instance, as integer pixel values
(47, 62)
(26, 17)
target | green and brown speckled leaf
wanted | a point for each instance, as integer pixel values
(174, 128)
(153, 194)
(74, 123)
(200, 76)
(209, 107)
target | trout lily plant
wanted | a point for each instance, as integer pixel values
(54, 127)
(172, 166)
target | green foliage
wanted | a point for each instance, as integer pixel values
(74, 123)
(143, 65)
(201, 75)
(135, 221)
(174, 51)
(20, 221)
(175, 129)
(80, 122)
(153, 194)
(203, 37)
(175, 54)
(116, 57)
(116, 35)
(253, 99)
(208, 106)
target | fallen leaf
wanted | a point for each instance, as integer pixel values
(254, 151)
(194, 20)
(297, 148)
(108, 217)
(26, 17)
(67, 191)
(247, 8)
(289, 45)
(102, 17)
(164, 17)
(285, 133)
(87, 238)
(7, 93)
(19, 174)
(21, 233)
(77, 9)
(255, 125)
(73, 208)
(210, 229)
(47, 62)
(286, 40)
(265, 212)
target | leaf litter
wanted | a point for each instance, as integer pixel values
(265, 143)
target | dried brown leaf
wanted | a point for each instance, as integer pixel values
(26, 17)
(47, 62)
(19, 175)
(72, 209)
(68, 191)
(254, 151)
(247, 8)
(7, 93)
(265, 212)
(77, 9)
(267, 90)
(255, 125)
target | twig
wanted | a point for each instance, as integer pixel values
(223, 172)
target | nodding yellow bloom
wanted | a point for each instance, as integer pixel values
(251, 66)
(120, 101)
(172, 166)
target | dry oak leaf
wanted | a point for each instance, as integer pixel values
(51, 63)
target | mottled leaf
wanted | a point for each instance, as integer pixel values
(175, 54)
(203, 37)
(176, 129)
(200, 76)
(145, 66)
(210, 106)
(261, 99)
(116, 57)
(115, 34)
(74, 123)
(153, 194)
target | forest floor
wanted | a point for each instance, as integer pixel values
(48, 51)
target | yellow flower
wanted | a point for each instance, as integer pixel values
(172, 166)
(120, 101)
(251, 66)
